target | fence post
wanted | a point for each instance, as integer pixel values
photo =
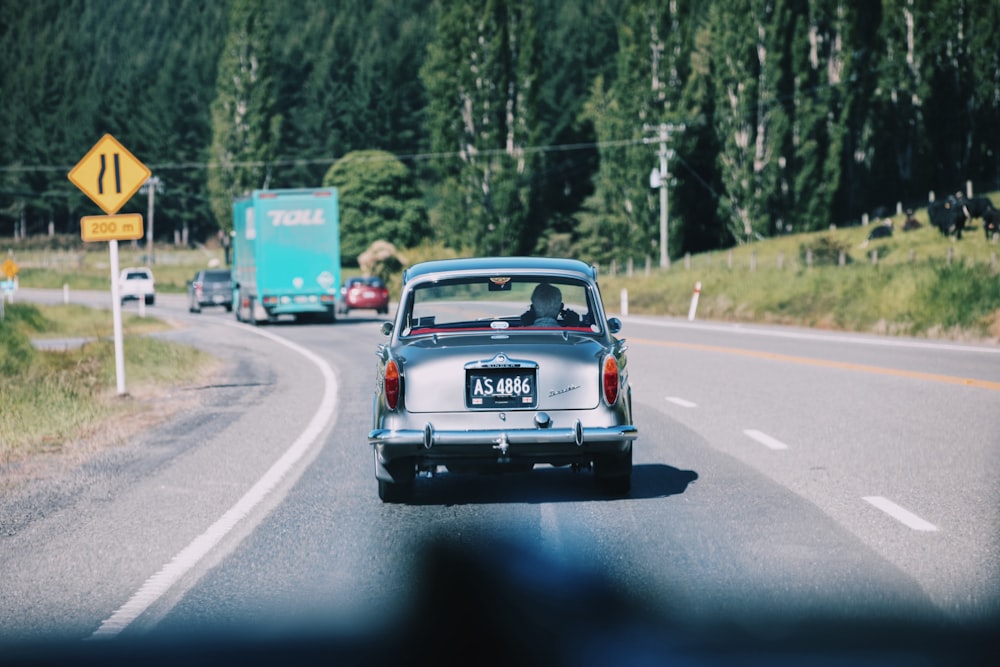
(730, 260)
(809, 258)
(624, 306)
(753, 260)
(842, 258)
(687, 261)
(781, 260)
(874, 257)
(951, 252)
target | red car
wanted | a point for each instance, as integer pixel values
(365, 294)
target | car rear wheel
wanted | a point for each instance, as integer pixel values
(614, 472)
(400, 490)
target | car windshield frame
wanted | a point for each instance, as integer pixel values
(496, 304)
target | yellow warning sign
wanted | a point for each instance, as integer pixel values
(109, 174)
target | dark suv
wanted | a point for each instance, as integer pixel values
(210, 287)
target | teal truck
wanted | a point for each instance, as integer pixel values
(286, 255)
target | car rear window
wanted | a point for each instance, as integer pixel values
(496, 302)
(217, 276)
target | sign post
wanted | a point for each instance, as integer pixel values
(109, 174)
(9, 268)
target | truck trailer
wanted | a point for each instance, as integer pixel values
(286, 255)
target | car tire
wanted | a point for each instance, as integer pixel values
(614, 472)
(401, 489)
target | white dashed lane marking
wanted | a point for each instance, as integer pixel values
(765, 439)
(681, 402)
(904, 516)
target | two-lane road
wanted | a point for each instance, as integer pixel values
(779, 474)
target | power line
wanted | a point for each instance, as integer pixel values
(415, 157)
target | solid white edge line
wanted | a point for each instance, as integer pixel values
(858, 339)
(684, 403)
(158, 584)
(904, 516)
(765, 439)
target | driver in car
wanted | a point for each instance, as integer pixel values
(547, 307)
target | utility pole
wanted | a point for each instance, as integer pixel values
(152, 185)
(659, 178)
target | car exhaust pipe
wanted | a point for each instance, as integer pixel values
(428, 435)
(578, 433)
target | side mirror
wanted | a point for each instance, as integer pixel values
(614, 325)
(387, 328)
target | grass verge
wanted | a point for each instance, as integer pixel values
(64, 404)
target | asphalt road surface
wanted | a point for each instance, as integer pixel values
(784, 479)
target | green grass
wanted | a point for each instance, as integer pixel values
(52, 401)
(919, 284)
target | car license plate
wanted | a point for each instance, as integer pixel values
(501, 388)
(217, 298)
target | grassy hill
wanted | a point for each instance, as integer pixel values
(916, 283)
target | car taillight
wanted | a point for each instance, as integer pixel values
(391, 384)
(609, 380)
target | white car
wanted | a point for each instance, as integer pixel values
(137, 283)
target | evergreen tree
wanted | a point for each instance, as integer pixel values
(580, 44)
(749, 118)
(245, 127)
(651, 65)
(698, 176)
(903, 87)
(481, 80)
(821, 100)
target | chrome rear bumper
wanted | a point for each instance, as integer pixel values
(501, 439)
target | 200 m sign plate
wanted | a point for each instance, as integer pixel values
(501, 388)
(127, 226)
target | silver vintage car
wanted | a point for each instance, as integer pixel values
(501, 364)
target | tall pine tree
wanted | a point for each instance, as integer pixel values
(245, 126)
(481, 77)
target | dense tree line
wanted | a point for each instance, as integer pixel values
(517, 126)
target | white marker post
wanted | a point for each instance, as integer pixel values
(694, 301)
(116, 316)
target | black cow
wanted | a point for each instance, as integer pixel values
(991, 223)
(948, 216)
(911, 222)
(882, 231)
(977, 207)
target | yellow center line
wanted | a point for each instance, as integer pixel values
(809, 361)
